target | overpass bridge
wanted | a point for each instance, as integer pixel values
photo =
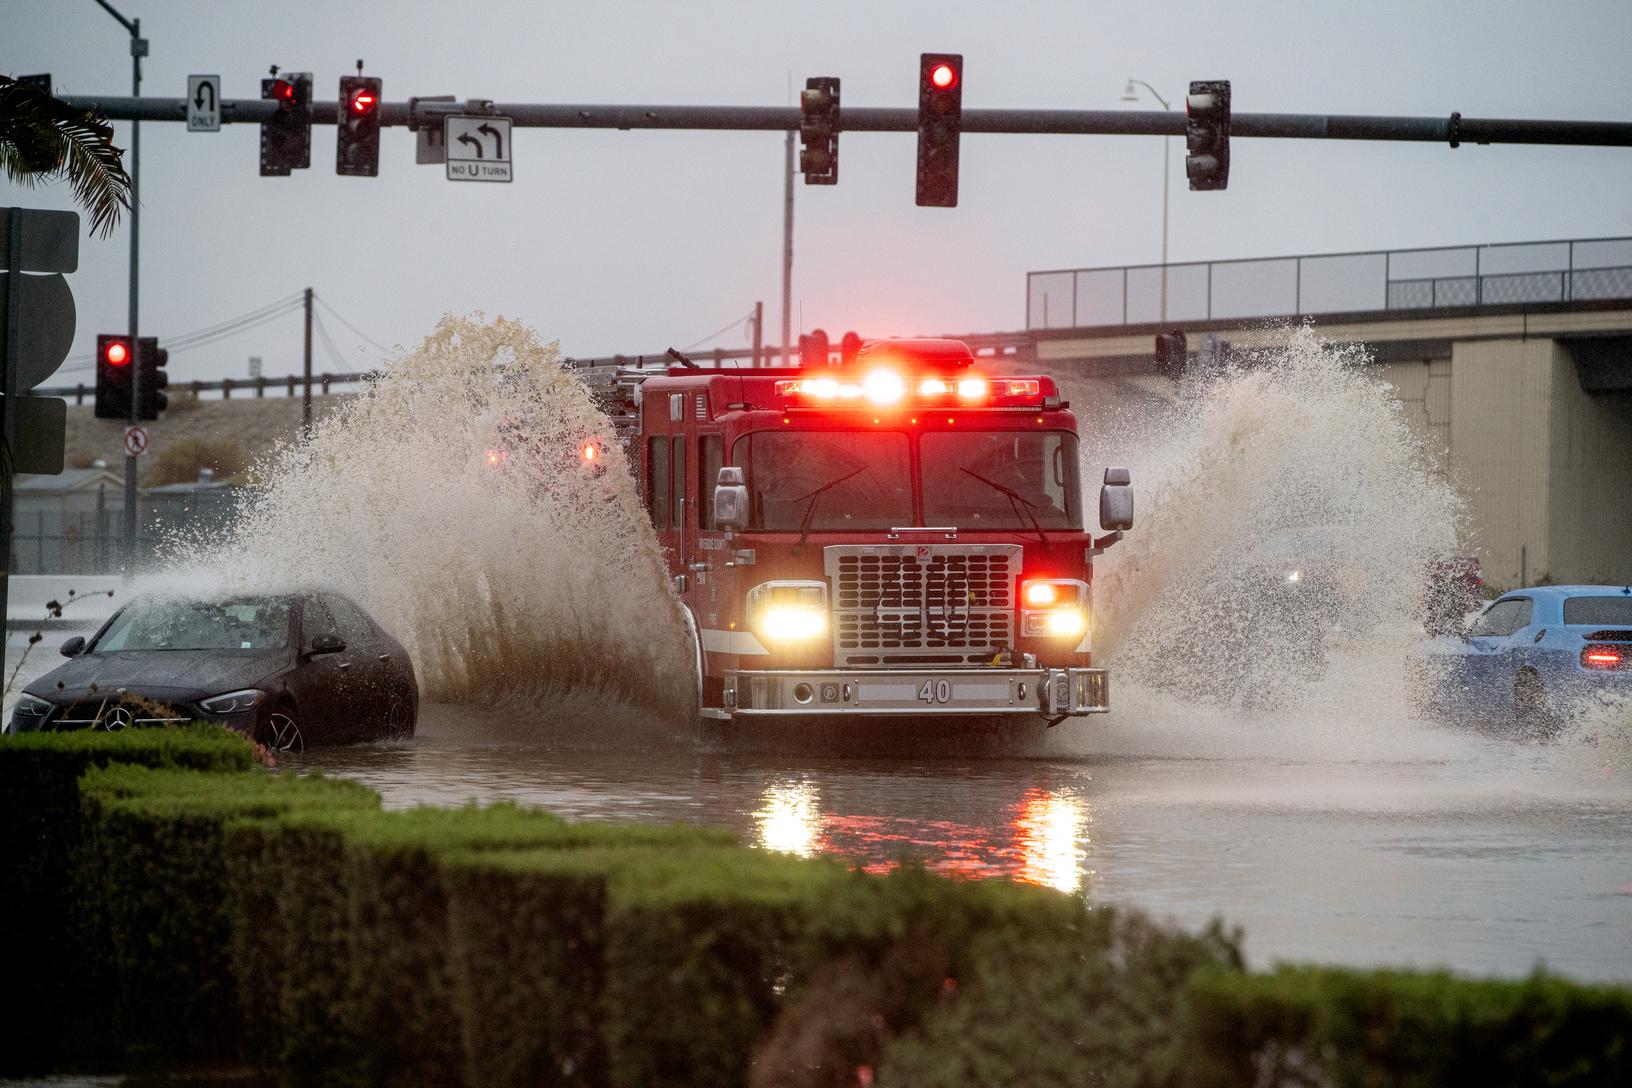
(1515, 361)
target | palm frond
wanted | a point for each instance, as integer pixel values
(42, 138)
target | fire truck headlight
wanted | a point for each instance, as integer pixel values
(1054, 608)
(793, 624)
(783, 612)
(883, 387)
(1066, 622)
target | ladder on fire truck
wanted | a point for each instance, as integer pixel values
(616, 392)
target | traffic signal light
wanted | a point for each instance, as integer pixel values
(1172, 355)
(940, 121)
(1208, 134)
(286, 136)
(819, 131)
(357, 151)
(813, 349)
(115, 362)
(152, 360)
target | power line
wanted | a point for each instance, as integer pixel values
(321, 301)
(328, 342)
(725, 328)
(209, 334)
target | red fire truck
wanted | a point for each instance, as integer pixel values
(900, 534)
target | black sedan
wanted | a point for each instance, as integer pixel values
(288, 670)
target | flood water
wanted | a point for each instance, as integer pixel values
(1484, 856)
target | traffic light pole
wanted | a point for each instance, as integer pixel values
(787, 252)
(138, 50)
(1454, 130)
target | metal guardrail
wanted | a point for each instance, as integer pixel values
(292, 384)
(1399, 279)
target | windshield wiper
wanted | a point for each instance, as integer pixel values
(816, 497)
(1022, 506)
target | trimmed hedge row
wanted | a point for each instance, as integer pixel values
(1309, 1025)
(41, 837)
(290, 921)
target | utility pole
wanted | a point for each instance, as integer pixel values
(306, 400)
(787, 251)
(759, 331)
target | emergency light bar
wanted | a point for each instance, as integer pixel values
(885, 387)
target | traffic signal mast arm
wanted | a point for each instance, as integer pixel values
(1453, 130)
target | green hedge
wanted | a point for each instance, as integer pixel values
(367, 973)
(292, 921)
(1095, 1008)
(55, 990)
(1328, 1026)
(165, 901)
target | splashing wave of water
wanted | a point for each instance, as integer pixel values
(451, 500)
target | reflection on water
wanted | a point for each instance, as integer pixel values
(1041, 842)
(790, 819)
(1051, 832)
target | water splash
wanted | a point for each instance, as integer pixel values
(453, 501)
(1290, 512)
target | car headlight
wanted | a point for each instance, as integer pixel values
(30, 707)
(233, 702)
(1053, 608)
(788, 611)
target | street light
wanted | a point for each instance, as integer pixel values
(1130, 93)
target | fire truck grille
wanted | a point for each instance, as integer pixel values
(936, 603)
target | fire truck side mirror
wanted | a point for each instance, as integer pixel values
(731, 500)
(1116, 500)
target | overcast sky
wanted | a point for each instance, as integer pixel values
(632, 241)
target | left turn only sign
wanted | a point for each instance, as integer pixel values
(203, 103)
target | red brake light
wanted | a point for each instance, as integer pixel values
(1597, 656)
(118, 354)
(943, 76)
(590, 452)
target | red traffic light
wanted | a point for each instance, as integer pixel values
(283, 90)
(363, 102)
(118, 354)
(943, 76)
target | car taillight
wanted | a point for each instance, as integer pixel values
(1600, 656)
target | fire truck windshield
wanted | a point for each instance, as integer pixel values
(826, 481)
(1001, 479)
(867, 476)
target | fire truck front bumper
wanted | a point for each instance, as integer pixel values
(1053, 693)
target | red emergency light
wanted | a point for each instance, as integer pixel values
(884, 387)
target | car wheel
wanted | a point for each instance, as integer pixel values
(399, 719)
(1530, 711)
(281, 733)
